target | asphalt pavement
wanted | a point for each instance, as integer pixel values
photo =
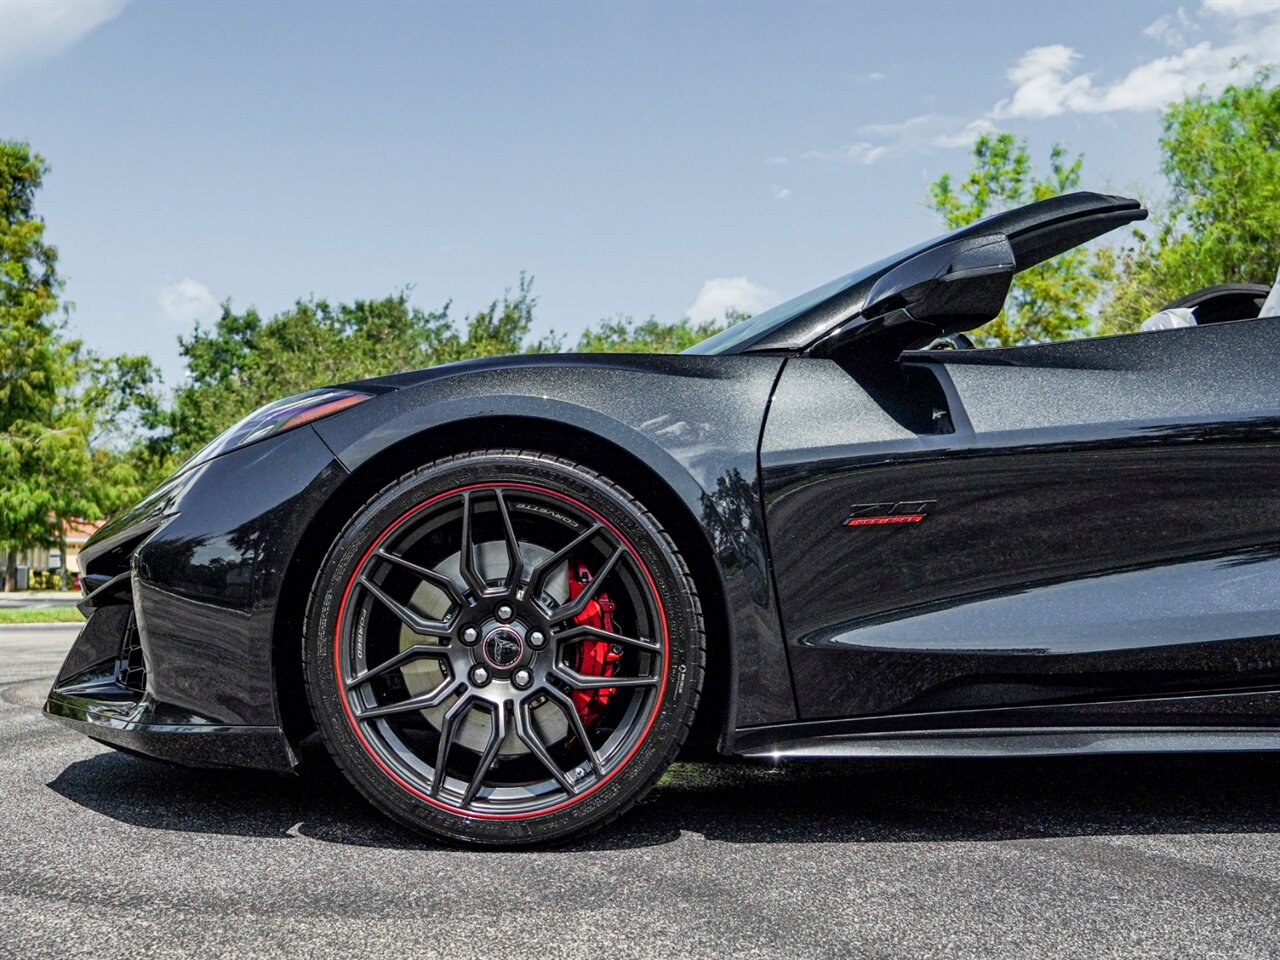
(107, 855)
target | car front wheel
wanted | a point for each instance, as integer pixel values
(504, 648)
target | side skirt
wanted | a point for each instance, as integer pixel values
(1013, 742)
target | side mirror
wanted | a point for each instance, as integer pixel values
(951, 288)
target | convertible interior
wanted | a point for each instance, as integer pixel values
(1219, 303)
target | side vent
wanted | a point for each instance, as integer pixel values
(133, 670)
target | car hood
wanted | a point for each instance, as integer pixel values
(550, 362)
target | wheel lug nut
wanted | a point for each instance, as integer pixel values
(505, 612)
(522, 678)
(479, 676)
(470, 635)
(537, 639)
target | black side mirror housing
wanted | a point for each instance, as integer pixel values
(948, 289)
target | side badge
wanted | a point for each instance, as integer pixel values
(904, 511)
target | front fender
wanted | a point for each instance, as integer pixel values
(695, 421)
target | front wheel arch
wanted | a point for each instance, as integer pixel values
(486, 627)
(557, 439)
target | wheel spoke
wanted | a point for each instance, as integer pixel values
(575, 721)
(579, 603)
(595, 633)
(528, 735)
(497, 733)
(417, 651)
(515, 562)
(410, 618)
(580, 682)
(438, 580)
(541, 571)
(448, 729)
(423, 701)
(467, 558)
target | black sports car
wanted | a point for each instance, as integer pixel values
(508, 592)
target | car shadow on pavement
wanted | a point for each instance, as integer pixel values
(881, 801)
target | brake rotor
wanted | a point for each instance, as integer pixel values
(425, 674)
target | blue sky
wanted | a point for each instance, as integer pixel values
(635, 158)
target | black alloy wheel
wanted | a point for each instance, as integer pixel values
(504, 648)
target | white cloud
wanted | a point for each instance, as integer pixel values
(32, 31)
(875, 76)
(909, 127)
(919, 134)
(1042, 77)
(966, 135)
(1047, 81)
(862, 153)
(777, 161)
(1047, 84)
(1173, 29)
(187, 301)
(1241, 8)
(780, 193)
(730, 293)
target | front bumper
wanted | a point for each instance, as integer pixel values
(101, 691)
(176, 659)
(191, 744)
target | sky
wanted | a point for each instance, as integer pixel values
(634, 158)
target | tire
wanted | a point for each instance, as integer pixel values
(450, 692)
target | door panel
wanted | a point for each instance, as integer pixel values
(1103, 522)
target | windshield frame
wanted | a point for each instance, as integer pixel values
(822, 307)
(1036, 231)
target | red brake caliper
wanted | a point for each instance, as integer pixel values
(596, 658)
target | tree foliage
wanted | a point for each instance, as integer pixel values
(1221, 157)
(244, 361)
(624, 335)
(1051, 301)
(32, 363)
(55, 397)
(1219, 222)
(35, 369)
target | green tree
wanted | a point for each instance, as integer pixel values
(31, 362)
(244, 361)
(34, 362)
(1221, 157)
(624, 335)
(501, 329)
(75, 461)
(1051, 301)
(54, 396)
(122, 406)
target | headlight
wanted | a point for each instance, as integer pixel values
(279, 416)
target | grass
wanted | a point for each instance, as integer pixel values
(40, 615)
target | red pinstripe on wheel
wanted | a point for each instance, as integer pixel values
(338, 652)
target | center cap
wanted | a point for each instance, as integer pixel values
(503, 647)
